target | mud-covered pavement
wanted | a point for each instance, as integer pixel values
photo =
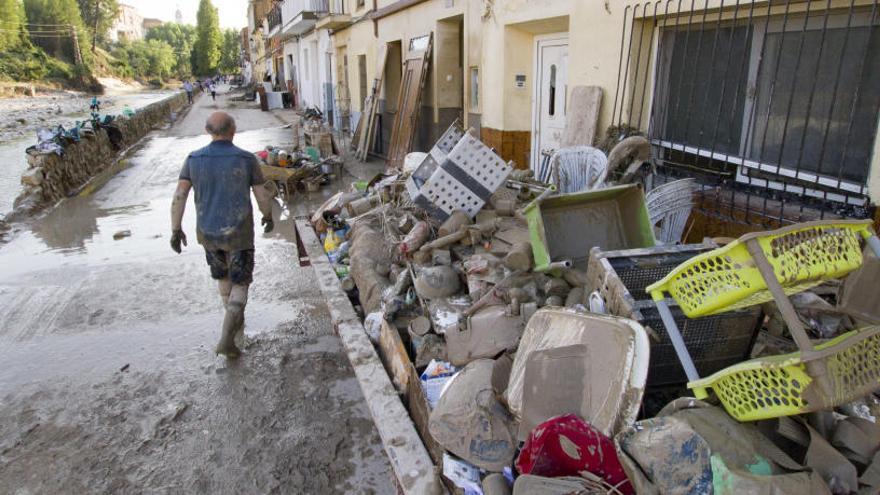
(109, 382)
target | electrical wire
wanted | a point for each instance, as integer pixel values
(34, 24)
(32, 33)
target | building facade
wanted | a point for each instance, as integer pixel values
(128, 25)
(257, 30)
(772, 106)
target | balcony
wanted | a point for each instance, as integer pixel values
(299, 16)
(336, 18)
(274, 20)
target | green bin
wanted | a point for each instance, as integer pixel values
(568, 226)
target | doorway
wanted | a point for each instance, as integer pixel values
(550, 94)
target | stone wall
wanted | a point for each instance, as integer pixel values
(50, 177)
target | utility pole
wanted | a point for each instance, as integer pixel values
(97, 19)
(77, 55)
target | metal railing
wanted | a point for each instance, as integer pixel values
(274, 17)
(336, 7)
(293, 8)
(772, 107)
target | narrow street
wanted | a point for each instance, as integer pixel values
(110, 383)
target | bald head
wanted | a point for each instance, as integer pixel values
(220, 125)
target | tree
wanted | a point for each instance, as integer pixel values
(206, 51)
(13, 32)
(98, 15)
(230, 54)
(145, 59)
(181, 38)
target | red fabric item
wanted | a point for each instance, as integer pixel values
(567, 446)
(263, 154)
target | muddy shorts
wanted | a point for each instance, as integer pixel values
(237, 265)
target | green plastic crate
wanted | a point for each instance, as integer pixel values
(567, 226)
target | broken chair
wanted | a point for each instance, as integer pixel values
(764, 266)
(670, 206)
(579, 168)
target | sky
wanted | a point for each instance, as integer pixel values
(233, 13)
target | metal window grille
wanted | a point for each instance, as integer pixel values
(773, 106)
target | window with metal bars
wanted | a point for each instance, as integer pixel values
(779, 102)
(783, 106)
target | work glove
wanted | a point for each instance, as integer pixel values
(268, 224)
(177, 237)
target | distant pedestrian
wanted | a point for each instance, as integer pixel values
(213, 92)
(188, 87)
(223, 176)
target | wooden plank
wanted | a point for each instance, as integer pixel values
(406, 379)
(374, 103)
(415, 71)
(371, 108)
(394, 356)
(410, 461)
(420, 412)
(582, 116)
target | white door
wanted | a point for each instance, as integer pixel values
(551, 84)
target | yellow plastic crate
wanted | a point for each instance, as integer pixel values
(802, 256)
(783, 385)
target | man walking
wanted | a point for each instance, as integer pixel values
(222, 176)
(213, 89)
(188, 87)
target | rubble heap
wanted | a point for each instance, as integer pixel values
(527, 316)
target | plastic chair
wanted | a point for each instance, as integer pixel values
(765, 266)
(670, 205)
(579, 168)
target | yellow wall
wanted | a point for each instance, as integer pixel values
(353, 41)
(507, 33)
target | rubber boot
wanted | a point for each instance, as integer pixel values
(233, 322)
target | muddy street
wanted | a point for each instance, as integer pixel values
(110, 383)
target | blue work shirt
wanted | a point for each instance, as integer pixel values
(222, 175)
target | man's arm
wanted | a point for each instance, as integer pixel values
(178, 206)
(264, 202)
(263, 194)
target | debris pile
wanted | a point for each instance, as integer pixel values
(545, 342)
(303, 168)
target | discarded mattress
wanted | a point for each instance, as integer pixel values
(590, 365)
(470, 422)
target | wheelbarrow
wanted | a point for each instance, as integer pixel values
(770, 266)
(284, 179)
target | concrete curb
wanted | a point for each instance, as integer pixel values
(412, 466)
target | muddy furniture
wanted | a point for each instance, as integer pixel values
(565, 227)
(766, 266)
(716, 342)
(571, 362)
